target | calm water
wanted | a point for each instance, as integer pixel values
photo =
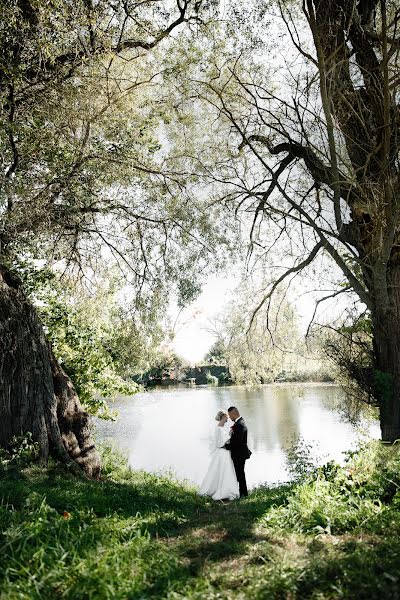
(173, 429)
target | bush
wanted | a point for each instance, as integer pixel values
(224, 377)
(301, 459)
(337, 499)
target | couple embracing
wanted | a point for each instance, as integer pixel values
(225, 478)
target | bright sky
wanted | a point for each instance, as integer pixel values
(192, 340)
(192, 336)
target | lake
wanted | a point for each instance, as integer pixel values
(172, 429)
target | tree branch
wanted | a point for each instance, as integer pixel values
(318, 302)
(75, 59)
(294, 269)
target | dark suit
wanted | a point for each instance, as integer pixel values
(239, 453)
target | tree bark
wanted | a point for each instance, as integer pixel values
(386, 331)
(36, 395)
(366, 113)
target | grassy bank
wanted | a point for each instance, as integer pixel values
(132, 535)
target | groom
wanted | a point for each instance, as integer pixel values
(238, 447)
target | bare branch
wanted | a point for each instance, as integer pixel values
(295, 269)
(320, 300)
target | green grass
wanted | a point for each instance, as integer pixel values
(135, 536)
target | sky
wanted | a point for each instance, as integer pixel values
(193, 337)
(192, 340)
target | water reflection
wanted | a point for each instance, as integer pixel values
(173, 429)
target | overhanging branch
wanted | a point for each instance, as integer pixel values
(295, 269)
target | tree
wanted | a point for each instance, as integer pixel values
(258, 352)
(308, 145)
(357, 61)
(85, 331)
(216, 354)
(74, 156)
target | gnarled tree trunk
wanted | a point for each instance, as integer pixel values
(36, 395)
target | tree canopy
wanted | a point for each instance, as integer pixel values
(305, 145)
(83, 189)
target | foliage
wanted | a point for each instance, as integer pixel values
(135, 340)
(224, 377)
(255, 347)
(114, 463)
(300, 459)
(310, 370)
(350, 348)
(83, 87)
(165, 364)
(84, 351)
(136, 535)
(86, 189)
(21, 451)
(216, 354)
(339, 499)
(83, 329)
(102, 341)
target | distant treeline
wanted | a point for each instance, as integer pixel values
(219, 374)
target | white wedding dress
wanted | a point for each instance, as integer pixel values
(220, 481)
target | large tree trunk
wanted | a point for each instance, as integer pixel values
(386, 329)
(36, 395)
(356, 65)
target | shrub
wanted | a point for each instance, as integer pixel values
(336, 499)
(20, 451)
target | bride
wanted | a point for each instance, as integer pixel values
(220, 481)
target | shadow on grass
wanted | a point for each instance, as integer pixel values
(223, 533)
(171, 506)
(187, 531)
(363, 568)
(191, 537)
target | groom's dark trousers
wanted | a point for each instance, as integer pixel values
(239, 453)
(240, 476)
